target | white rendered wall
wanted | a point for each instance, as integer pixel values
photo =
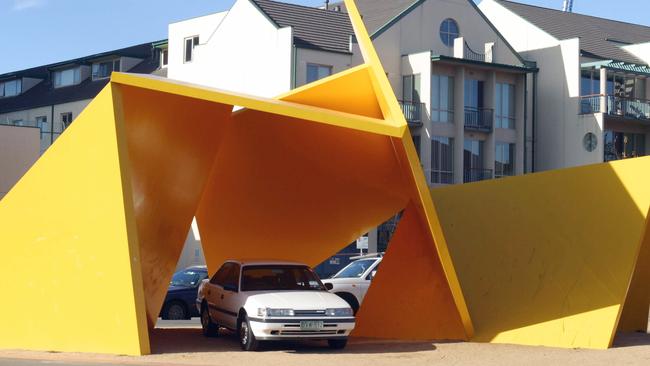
(19, 149)
(243, 52)
(521, 34)
(641, 51)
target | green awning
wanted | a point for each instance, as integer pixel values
(619, 66)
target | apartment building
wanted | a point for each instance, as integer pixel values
(50, 97)
(594, 82)
(462, 87)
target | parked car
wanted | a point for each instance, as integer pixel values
(352, 282)
(181, 294)
(270, 300)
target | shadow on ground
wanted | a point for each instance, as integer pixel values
(170, 340)
(631, 339)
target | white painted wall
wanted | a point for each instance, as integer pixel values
(19, 149)
(240, 51)
(520, 33)
(641, 51)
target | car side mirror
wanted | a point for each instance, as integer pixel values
(231, 288)
(329, 286)
(372, 275)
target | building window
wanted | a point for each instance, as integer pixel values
(442, 160)
(449, 31)
(164, 58)
(317, 72)
(10, 88)
(66, 119)
(504, 160)
(473, 94)
(473, 161)
(416, 143)
(411, 88)
(190, 43)
(623, 145)
(46, 132)
(442, 98)
(505, 106)
(102, 70)
(67, 77)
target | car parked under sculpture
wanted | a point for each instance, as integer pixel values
(148, 154)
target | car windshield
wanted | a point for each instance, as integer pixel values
(187, 278)
(355, 269)
(281, 278)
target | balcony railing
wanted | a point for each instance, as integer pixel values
(631, 108)
(479, 119)
(470, 54)
(477, 175)
(20, 123)
(412, 112)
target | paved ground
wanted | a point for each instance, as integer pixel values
(181, 343)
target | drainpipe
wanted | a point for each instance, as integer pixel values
(526, 124)
(534, 120)
(294, 66)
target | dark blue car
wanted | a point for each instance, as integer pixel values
(181, 294)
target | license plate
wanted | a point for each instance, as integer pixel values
(311, 325)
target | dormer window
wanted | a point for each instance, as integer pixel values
(10, 88)
(102, 70)
(66, 77)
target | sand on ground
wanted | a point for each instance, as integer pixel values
(186, 346)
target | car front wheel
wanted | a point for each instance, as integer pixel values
(247, 339)
(210, 329)
(337, 343)
(175, 311)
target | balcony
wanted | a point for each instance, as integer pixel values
(479, 119)
(629, 108)
(412, 112)
(19, 123)
(477, 175)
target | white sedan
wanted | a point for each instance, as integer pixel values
(269, 300)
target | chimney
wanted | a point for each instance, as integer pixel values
(327, 4)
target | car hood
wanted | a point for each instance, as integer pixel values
(179, 288)
(297, 300)
(334, 281)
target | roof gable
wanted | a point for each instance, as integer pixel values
(313, 28)
(599, 37)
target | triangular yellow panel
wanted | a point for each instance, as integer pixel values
(70, 246)
(547, 259)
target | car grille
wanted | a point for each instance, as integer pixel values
(309, 312)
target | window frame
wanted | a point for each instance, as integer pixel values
(512, 151)
(194, 41)
(113, 63)
(76, 77)
(437, 164)
(330, 70)
(437, 109)
(500, 113)
(445, 35)
(3, 86)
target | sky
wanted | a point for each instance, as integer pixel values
(39, 32)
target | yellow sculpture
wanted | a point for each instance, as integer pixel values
(92, 233)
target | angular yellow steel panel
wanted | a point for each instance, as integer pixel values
(546, 259)
(71, 265)
(171, 142)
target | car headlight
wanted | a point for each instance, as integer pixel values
(339, 312)
(264, 312)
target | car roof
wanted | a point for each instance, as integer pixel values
(250, 262)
